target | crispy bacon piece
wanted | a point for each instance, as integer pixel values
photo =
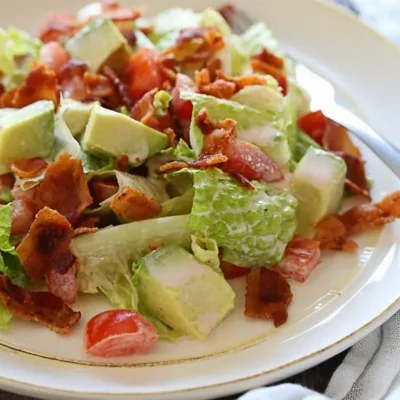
(122, 162)
(218, 84)
(71, 80)
(119, 86)
(46, 246)
(301, 257)
(42, 307)
(83, 230)
(390, 204)
(64, 286)
(244, 158)
(201, 163)
(268, 63)
(144, 111)
(331, 233)
(58, 26)
(336, 138)
(268, 295)
(87, 222)
(103, 189)
(39, 84)
(228, 11)
(134, 205)
(364, 217)
(28, 168)
(232, 271)
(53, 55)
(64, 188)
(197, 45)
(172, 139)
(24, 211)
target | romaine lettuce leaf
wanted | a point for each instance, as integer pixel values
(161, 102)
(252, 227)
(110, 252)
(206, 251)
(240, 58)
(94, 165)
(183, 152)
(180, 205)
(15, 43)
(5, 316)
(302, 144)
(9, 261)
(257, 37)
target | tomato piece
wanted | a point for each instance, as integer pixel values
(314, 124)
(251, 162)
(53, 55)
(183, 108)
(145, 73)
(232, 271)
(119, 332)
(301, 257)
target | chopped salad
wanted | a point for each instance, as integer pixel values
(151, 161)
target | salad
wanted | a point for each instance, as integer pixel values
(153, 160)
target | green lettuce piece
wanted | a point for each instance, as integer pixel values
(264, 127)
(142, 41)
(14, 44)
(240, 58)
(161, 102)
(183, 152)
(257, 37)
(181, 205)
(6, 195)
(299, 97)
(206, 251)
(252, 227)
(302, 145)
(64, 141)
(110, 252)
(9, 260)
(168, 24)
(5, 316)
(94, 165)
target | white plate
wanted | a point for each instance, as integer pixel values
(345, 298)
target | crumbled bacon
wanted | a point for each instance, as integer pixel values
(301, 257)
(87, 222)
(144, 111)
(335, 138)
(172, 140)
(64, 286)
(364, 217)
(198, 44)
(42, 307)
(268, 295)
(228, 12)
(46, 246)
(24, 211)
(71, 80)
(54, 56)
(331, 233)
(268, 63)
(390, 204)
(83, 230)
(28, 168)
(201, 163)
(39, 84)
(119, 86)
(134, 205)
(122, 163)
(58, 26)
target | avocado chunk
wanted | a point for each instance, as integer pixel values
(26, 133)
(318, 184)
(76, 115)
(99, 43)
(112, 133)
(182, 292)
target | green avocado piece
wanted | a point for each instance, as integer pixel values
(76, 115)
(182, 292)
(112, 133)
(99, 43)
(26, 133)
(318, 185)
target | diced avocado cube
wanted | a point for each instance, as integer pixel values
(76, 115)
(99, 43)
(185, 294)
(318, 184)
(112, 133)
(27, 133)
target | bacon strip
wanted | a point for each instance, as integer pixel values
(301, 257)
(103, 189)
(41, 307)
(39, 84)
(268, 295)
(391, 204)
(119, 86)
(28, 168)
(232, 271)
(64, 286)
(58, 26)
(46, 246)
(201, 163)
(134, 205)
